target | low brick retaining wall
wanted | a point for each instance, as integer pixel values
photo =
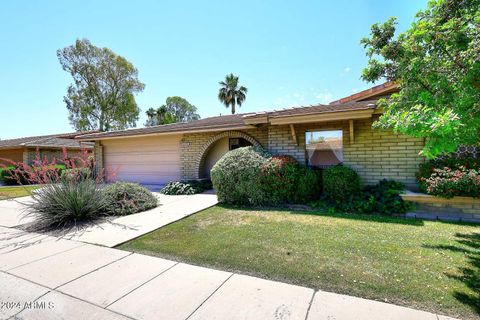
(455, 209)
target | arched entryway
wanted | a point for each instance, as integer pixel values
(216, 147)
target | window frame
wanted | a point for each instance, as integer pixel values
(316, 129)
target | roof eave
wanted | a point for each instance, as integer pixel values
(106, 137)
(324, 117)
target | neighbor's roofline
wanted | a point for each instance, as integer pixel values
(368, 93)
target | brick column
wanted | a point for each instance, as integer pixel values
(98, 151)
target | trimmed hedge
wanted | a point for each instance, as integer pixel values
(340, 183)
(123, 198)
(236, 176)
(286, 181)
(251, 176)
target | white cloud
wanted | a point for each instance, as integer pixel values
(354, 90)
(324, 97)
(347, 69)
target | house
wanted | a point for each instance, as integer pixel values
(319, 136)
(50, 146)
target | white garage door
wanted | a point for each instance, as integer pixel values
(148, 160)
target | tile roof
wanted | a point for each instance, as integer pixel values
(226, 122)
(218, 122)
(65, 140)
(317, 109)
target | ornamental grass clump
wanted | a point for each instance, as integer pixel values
(68, 190)
(66, 202)
(448, 182)
(123, 198)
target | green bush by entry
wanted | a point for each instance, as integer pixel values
(236, 176)
(186, 188)
(340, 183)
(123, 198)
(178, 188)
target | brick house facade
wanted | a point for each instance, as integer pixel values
(185, 151)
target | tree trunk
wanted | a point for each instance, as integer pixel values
(233, 107)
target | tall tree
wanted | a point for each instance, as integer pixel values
(230, 94)
(175, 109)
(436, 63)
(101, 96)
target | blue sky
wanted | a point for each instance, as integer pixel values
(287, 53)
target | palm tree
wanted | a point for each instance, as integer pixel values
(230, 94)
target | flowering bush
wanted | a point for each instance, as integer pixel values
(448, 182)
(426, 169)
(69, 190)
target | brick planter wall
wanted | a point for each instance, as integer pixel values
(454, 209)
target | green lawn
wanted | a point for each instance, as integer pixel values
(421, 264)
(15, 192)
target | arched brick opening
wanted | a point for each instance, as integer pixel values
(199, 163)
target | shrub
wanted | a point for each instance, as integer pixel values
(449, 182)
(387, 197)
(340, 183)
(76, 174)
(236, 176)
(427, 169)
(5, 174)
(201, 185)
(178, 188)
(284, 180)
(67, 202)
(382, 198)
(123, 198)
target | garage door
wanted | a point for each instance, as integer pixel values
(148, 160)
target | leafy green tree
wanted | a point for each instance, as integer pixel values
(175, 109)
(230, 94)
(101, 96)
(436, 63)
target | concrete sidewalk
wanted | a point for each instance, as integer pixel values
(43, 277)
(117, 230)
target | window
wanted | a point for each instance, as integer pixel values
(235, 143)
(324, 148)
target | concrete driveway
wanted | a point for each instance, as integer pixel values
(116, 230)
(43, 277)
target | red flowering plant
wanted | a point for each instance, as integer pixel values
(286, 181)
(69, 190)
(447, 182)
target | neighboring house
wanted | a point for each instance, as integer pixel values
(50, 146)
(320, 136)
